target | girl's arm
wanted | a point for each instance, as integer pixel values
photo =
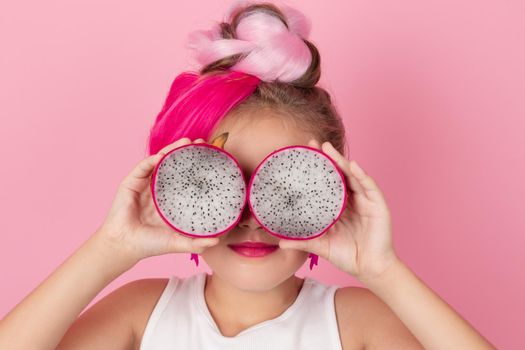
(132, 231)
(428, 317)
(360, 243)
(43, 317)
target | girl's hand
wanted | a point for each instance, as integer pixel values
(360, 242)
(134, 227)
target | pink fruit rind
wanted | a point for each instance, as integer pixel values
(344, 200)
(153, 182)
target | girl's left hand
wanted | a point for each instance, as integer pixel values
(360, 242)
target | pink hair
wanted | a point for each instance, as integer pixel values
(196, 103)
(272, 49)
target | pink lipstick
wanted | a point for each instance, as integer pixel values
(253, 249)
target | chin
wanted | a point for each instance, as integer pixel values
(253, 274)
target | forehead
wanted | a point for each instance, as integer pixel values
(255, 134)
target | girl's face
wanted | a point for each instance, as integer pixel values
(250, 140)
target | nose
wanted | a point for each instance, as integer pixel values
(247, 219)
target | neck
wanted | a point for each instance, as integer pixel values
(234, 309)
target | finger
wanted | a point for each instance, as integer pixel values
(178, 143)
(354, 185)
(344, 165)
(199, 140)
(136, 180)
(334, 154)
(370, 187)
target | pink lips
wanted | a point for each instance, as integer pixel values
(253, 249)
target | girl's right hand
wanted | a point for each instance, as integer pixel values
(134, 228)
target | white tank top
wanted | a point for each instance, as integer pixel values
(181, 320)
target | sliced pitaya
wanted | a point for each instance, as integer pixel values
(199, 190)
(297, 192)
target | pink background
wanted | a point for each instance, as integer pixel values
(433, 96)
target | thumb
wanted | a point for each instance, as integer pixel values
(298, 244)
(198, 245)
(316, 246)
(182, 244)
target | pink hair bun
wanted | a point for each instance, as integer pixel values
(273, 50)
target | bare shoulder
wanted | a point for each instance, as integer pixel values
(118, 319)
(366, 322)
(348, 306)
(144, 295)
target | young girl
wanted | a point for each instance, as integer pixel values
(257, 84)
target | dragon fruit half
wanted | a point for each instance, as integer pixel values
(296, 192)
(199, 189)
